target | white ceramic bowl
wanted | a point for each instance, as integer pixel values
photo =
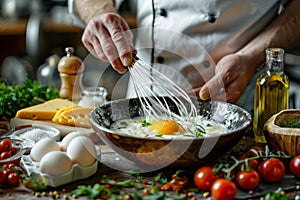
(37, 132)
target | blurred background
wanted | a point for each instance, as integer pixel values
(31, 31)
(33, 37)
(35, 33)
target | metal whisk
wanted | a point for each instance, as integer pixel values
(156, 92)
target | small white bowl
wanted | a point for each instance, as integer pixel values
(37, 132)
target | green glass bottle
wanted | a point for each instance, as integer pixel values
(271, 92)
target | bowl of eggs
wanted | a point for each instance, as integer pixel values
(282, 132)
(217, 127)
(58, 163)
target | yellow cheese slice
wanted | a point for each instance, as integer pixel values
(57, 115)
(44, 111)
(74, 116)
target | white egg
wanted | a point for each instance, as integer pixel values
(55, 163)
(82, 150)
(42, 147)
(70, 136)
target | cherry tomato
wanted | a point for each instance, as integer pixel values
(204, 177)
(223, 189)
(256, 151)
(8, 172)
(247, 180)
(253, 164)
(13, 150)
(5, 155)
(11, 166)
(271, 170)
(2, 177)
(13, 179)
(5, 145)
(5, 165)
(295, 166)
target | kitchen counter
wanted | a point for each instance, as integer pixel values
(119, 168)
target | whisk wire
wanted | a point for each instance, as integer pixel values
(154, 88)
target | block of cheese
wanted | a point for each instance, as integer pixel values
(73, 116)
(44, 111)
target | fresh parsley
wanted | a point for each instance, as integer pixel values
(145, 123)
(292, 124)
(16, 97)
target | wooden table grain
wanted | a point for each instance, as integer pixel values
(114, 166)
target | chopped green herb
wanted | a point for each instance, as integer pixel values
(34, 182)
(161, 178)
(200, 129)
(209, 125)
(292, 124)
(145, 123)
(277, 195)
(199, 132)
(158, 135)
(129, 189)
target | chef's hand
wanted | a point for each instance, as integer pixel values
(108, 37)
(232, 74)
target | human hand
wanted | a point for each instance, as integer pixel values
(108, 37)
(232, 74)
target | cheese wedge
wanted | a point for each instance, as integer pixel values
(74, 116)
(44, 111)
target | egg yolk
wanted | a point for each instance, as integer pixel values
(166, 127)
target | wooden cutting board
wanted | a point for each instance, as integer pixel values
(64, 130)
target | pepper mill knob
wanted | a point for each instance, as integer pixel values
(70, 69)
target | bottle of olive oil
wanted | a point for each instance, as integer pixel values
(271, 92)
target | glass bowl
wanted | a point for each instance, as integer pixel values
(17, 150)
(6, 127)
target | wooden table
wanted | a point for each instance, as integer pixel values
(116, 167)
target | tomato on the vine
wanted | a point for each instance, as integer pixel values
(5, 155)
(13, 179)
(13, 150)
(223, 189)
(8, 171)
(204, 178)
(253, 164)
(2, 177)
(247, 180)
(256, 151)
(5, 145)
(271, 170)
(295, 166)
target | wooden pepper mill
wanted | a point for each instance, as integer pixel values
(70, 69)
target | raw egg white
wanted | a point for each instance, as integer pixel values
(67, 139)
(82, 151)
(55, 163)
(42, 147)
(169, 129)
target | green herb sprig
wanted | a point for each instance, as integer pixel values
(16, 97)
(292, 124)
(145, 123)
(140, 189)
